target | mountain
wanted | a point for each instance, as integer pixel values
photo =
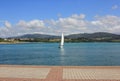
(85, 37)
(94, 35)
(42, 36)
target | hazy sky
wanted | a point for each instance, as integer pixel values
(19, 17)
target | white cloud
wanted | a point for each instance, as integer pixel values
(7, 24)
(22, 27)
(69, 24)
(115, 7)
(73, 24)
(81, 16)
(31, 24)
(107, 23)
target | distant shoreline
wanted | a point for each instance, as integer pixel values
(52, 42)
(12, 42)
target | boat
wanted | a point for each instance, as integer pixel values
(62, 41)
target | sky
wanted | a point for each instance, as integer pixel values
(18, 17)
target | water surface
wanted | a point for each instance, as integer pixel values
(73, 54)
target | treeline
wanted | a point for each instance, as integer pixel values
(92, 40)
(1, 40)
(82, 39)
(71, 40)
(39, 40)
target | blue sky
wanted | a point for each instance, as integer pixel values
(13, 11)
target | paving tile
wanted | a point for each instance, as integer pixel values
(55, 74)
(112, 74)
(11, 72)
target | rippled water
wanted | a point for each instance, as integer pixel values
(75, 54)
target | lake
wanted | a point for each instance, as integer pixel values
(73, 54)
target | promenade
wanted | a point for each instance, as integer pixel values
(59, 73)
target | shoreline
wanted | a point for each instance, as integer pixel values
(2, 65)
(51, 42)
(13, 42)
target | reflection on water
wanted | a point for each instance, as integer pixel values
(62, 51)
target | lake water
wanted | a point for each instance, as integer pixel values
(73, 54)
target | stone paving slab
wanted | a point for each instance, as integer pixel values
(12, 72)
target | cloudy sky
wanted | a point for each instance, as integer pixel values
(18, 17)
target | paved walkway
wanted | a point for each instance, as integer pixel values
(59, 73)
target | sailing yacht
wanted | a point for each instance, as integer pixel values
(62, 41)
